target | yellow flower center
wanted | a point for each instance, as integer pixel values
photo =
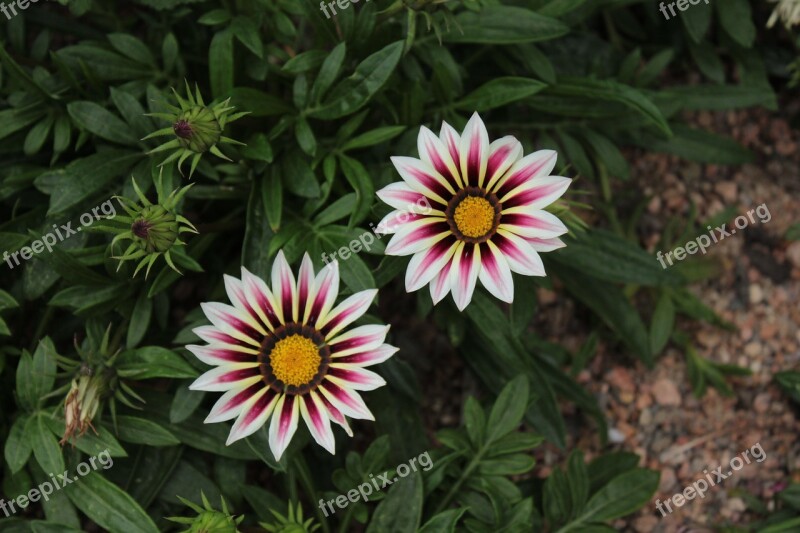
(474, 216)
(295, 360)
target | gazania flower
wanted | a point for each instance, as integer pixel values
(283, 352)
(487, 218)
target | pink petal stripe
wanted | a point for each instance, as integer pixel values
(360, 339)
(426, 264)
(537, 193)
(326, 288)
(238, 297)
(435, 153)
(212, 335)
(230, 321)
(230, 404)
(253, 416)
(349, 402)
(260, 299)
(464, 275)
(416, 236)
(521, 257)
(495, 273)
(451, 140)
(402, 197)
(422, 177)
(227, 377)
(503, 153)
(283, 425)
(440, 284)
(534, 223)
(474, 150)
(537, 164)
(319, 425)
(354, 378)
(369, 358)
(305, 286)
(334, 413)
(346, 312)
(284, 285)
(397, 219)
(216, 355)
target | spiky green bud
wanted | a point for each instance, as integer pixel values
(208, 520)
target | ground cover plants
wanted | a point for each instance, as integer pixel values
(279, 193)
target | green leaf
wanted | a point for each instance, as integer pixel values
(499, 92)
(719, 97)
(358, 178)
(503, 25)
(143, 431)
(736, 18)
(328, 73)
(401, 510)
(611, 91)
(109, 506)
(444, 522)
(214, 17)
(131, 47)
(353, 93)
(707, 60)
(621, 496)
(259, 103)
(99, 121)
(701, 146)
(140, 320)
(153, 362)
(662, 323)
(508, 410)
(247, 31)
(272, 196)
(184, 403)
(36, 375)
(373, 137)
(697, 21)
(44, 444)
(298, 177)
(305, 61)
(17, 447)
(90, 443)
(220, 64)
(606, 467)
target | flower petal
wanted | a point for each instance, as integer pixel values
(232, 322)
(212, 335)
(424, 266)
(433, 151)
(369, 358)
(305, 288)
(253, 416)
(395, 220)
(451, 140)
(360, 339)
(223, 354)
(528, 222)
(503, 153)
(283, 424)
(335, 414)
(346, 313)
(474, 151)
(354, 378)
(231, 404)
(537, 193)
(519, 254)
(545, 245)
(536, 165)
(238, 297)
(349, 402)
(422, 177)
(400, 196)
(228, 377)
(440, 284)
(326, 289)
(284, 287)
(495, 273)
(418, 235)
(316, 418)
(464, 273)
(261, 299)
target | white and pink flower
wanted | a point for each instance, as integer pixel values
(487, 218)
(284, 353)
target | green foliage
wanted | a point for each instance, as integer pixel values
(90, 353)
